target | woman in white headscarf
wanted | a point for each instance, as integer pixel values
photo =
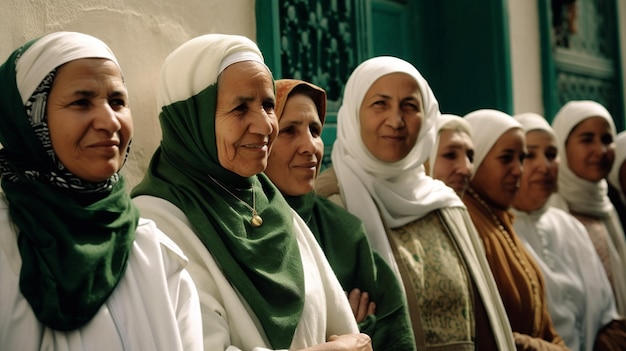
(580, 298)
(263, 280)
(80, 270)
(585, 135)
(500, 147)
(617, 178)
(385, 130)
(452, 156)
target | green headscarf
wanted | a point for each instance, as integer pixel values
(263, 263)
(74, 237)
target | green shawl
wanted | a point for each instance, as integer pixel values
(342, 238)
(263, 263)
(74, 243)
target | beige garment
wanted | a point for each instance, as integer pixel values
(490, 312)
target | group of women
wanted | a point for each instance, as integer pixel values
(429, 231)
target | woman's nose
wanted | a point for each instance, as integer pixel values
(106, 119)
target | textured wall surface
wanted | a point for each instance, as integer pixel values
(140, 32)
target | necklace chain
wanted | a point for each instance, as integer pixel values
(516, 252)
(256, 220)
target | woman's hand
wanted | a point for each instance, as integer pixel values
(346, 342)
(361, 304)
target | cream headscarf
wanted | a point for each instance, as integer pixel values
(446, 122)
(580, 195)
(399, 192)
(488, 126)
(620, 158)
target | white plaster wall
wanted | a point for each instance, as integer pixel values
(525, 56)
(140, 32)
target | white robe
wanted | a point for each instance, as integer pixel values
(228, 321)
(580, 297)
(155, 305)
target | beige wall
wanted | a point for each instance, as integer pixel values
(525, 56)
(140, 32)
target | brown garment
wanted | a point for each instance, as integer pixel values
(519, 279)
(612, 337)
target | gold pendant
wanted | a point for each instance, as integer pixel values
(256, 221)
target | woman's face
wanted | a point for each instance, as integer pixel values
(455, 155)
(541, 167)
(296, 155)
(89, 119)
(498, 176)
(245, 123)
(391, 116)
(590, 149)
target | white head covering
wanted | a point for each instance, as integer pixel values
(39, 60)
(532, 121)
(620, 158)
(488, 126)
(201, 67)
(580, 195)
(446, 122)
(401, 190)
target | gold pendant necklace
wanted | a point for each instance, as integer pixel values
(256, 220)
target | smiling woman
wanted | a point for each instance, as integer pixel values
(264, 283)
(585, 134)
(78, 266)
(89, 119)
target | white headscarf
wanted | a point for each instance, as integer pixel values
(399, 192)
(446, 122)
(620, 158)
(38, 61)
(488, 126)
(532, 121)
(580, 195)
(201, 67)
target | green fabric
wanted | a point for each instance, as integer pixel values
(74, 246)
(342, 238)
(262, 263)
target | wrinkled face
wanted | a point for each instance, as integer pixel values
(498, 176)
(455, 155)
(391, 116)
(89, 119)
(245, 123)
(297, 153)
(590, 149)
(541, 167)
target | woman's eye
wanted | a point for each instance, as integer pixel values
(287, 130)
(449, 155)
(606, 139)
(315, 131)
(80, 102)
(531, 155)
(268, 106)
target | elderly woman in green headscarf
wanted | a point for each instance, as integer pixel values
(293, 164)
(264, 282)
(78, 267)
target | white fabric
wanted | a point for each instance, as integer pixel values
(50, 52)
(590, 198)
(154, 307)
(488, 126)
(195, 65)
(228, 322)
(532, 121)
(581, 195)
(446, 122)
(620, 158)
(400, 190)
(580, 297)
